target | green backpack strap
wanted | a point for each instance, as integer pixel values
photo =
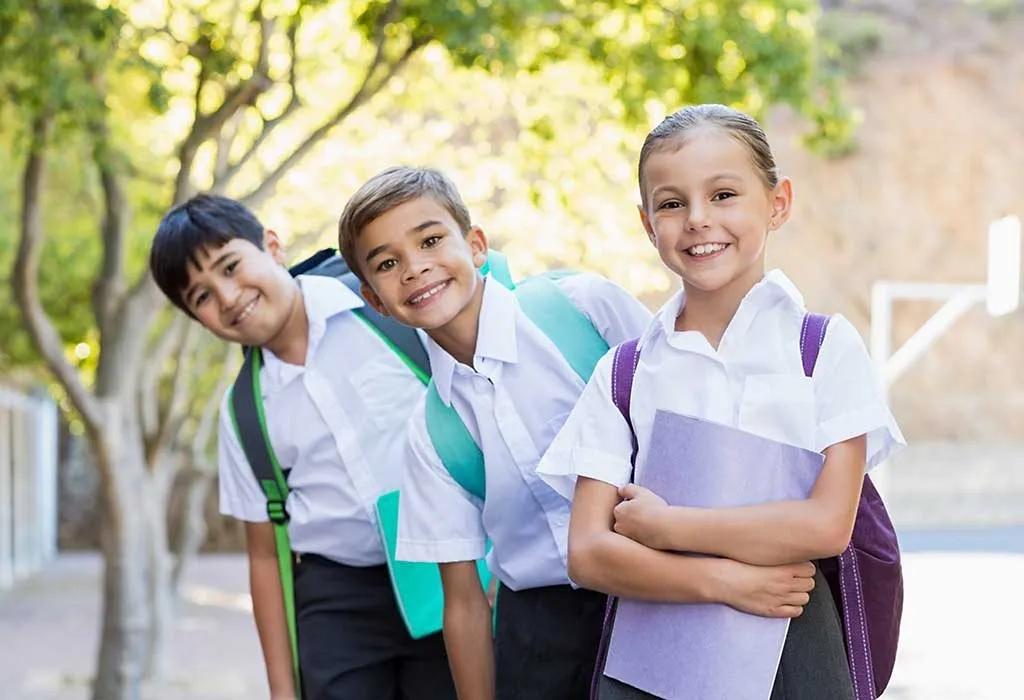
(563, 323)
(246, 407)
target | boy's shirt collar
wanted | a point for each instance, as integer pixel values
(774, 287)
(495, 337)
(322, 298)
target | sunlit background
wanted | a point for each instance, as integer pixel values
(901, 123)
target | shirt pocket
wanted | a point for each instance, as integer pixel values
(779, 407)
(387, 391)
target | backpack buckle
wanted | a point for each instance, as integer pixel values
(277, 512)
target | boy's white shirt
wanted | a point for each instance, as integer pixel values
(513, 404)
(338, 423)
(754, 381)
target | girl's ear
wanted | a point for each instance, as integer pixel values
(372, 299)
(782, 203)
(647, 225)
(273, 245)
(477, 241)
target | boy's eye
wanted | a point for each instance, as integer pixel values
(670, 204)
(431, 241)
(386, 265)
(198, 299)
(230, 267)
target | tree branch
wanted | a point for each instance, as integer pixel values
(25, 281)
(109, 289)
(206, 126)
(175, 413)
(149, 373)
(205, 429)
(224, 176)
(367, 89)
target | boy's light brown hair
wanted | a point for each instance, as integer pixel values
(389, 189)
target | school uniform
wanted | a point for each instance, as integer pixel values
(753, 381)
(513, 400)
(336, 424)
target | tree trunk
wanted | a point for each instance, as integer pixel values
(126, 593)
(193, 528)
(160, 584)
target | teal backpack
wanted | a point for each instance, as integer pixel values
(417, 585)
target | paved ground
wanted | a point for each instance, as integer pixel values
(961, 630)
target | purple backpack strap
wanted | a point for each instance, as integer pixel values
(851, 592)
(624, 363)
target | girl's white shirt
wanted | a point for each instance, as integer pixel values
(754, 381)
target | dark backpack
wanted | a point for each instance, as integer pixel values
(866, 579)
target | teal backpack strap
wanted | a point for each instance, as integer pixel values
(562, 322)
(458, 452)
(246, 407)
(497, 266)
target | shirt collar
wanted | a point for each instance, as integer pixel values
(495, 338)
(775, 286)
(322, 297)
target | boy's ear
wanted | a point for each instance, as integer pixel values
(782, 203)
(372, 299)
(273, 245)
(477, 240)
(647, 225)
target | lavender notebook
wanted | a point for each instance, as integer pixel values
(707, 652)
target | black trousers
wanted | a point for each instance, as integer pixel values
(813, 665)
(546, 642)
(353, 644)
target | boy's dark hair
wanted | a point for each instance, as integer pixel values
(389, 189)
(204, 221)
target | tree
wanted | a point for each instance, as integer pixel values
(237, 93)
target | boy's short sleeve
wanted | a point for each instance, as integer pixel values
(615, 313)
(240, 494)
(850, 396)
(438, 520)
(595, 442)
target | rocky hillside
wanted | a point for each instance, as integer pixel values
(941, 154)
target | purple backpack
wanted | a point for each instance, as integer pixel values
(866, 579)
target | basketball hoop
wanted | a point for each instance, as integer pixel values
(1004, 248)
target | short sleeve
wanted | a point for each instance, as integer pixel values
(595, 442)
(615, 313)
(438, 521)
(240, 493)
(850, 396)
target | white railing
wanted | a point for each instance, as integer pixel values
(28, 485)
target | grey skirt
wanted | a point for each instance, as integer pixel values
(813, 665)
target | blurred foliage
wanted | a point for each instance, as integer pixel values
(536, 107)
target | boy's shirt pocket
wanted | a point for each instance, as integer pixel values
(779, 407)
(387, 390)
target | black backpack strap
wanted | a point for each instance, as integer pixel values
(246, 405)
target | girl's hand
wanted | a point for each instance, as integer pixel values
(640, 516)
(767, 591)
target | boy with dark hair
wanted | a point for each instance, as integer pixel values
(336, 401)
(408, 234)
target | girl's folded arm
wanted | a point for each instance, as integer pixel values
(779, 532)
(605, 561)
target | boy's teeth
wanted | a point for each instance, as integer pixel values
(706, 248)
(426, 295)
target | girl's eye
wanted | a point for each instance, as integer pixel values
(230, 267)
(387, 265)
(431, 241)
(670, 204)
(721, 196)
(198, 299)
